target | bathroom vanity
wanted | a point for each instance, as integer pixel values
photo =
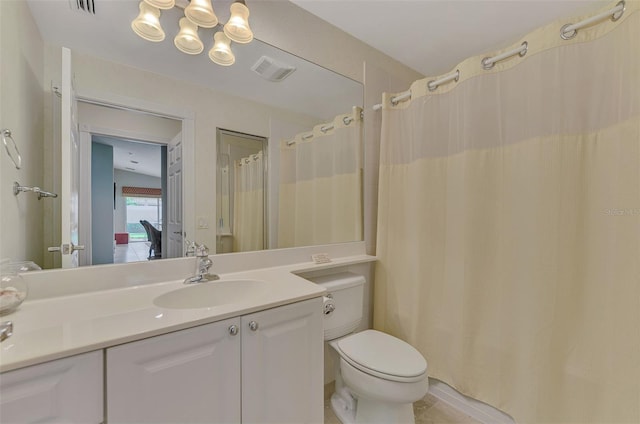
(113, 355)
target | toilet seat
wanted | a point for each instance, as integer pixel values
(382, 355)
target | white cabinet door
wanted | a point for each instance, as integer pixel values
(68, 390)
(190, 376)
(282, 364)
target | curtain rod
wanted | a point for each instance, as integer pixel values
(489, 62)
(434, 84)
(405, 95)
(569, 31)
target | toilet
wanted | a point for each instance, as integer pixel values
(378, 376)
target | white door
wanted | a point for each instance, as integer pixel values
(189, 376)
(69, 167)
(173, 227)
(283, 364)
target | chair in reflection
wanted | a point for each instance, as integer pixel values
(155, 237)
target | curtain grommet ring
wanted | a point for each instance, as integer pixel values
(616, 16)
(567, 35)
(6, 135)
(524, 51)
(487, 63)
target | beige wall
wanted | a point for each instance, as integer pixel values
(297, 31)
(21, 97)
(134, 123)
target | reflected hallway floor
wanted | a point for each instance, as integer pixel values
(131, 252)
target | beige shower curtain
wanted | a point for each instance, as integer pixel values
(321, 184)
(509, 226)
(248, 204)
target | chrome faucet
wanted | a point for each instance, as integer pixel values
(203, 263)
(190, 248)
(6, 330)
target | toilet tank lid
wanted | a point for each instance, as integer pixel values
(383, 353)
(341, 280)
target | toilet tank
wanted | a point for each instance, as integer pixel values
(346, 290)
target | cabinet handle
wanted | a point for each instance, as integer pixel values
(253, 326)
(233, 330)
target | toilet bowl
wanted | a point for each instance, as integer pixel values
(378, 379)
(378, 376)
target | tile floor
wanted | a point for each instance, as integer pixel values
(131, 252)
(428, 410)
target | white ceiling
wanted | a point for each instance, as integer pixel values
(134, 156)
(432, 36)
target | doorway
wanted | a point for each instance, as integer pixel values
(127, 202)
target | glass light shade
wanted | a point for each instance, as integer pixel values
(187, 40)
(161, 4)
(200, 12)
(221, 52)
(147, 24)
(237, 29)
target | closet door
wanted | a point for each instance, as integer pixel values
(189, 376)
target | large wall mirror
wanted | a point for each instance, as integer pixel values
(292, 123)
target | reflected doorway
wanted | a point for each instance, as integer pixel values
(127, 213)
(131, 186)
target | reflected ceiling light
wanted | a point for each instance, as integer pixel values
(187, 40)
(147, 24)
(221, 52)
(200, 12)
(161, 4)
(197, 14)
(237, 28)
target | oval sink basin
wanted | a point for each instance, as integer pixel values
(212, 293)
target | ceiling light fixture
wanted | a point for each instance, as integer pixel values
(200, 12)
(237, 29)
(147, 24)
(187, 40)
(197, 13)
(161, 4)
(221, 52)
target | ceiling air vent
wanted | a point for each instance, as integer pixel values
(84, 5)
(272, 70)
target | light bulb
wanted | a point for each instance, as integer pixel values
(200, 12)
(147, 24)
(237, 28)
(161, 4)
(221, 52)
(187, 40)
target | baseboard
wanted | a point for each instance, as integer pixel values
(477, 410)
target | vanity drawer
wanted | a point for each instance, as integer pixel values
(67, 390)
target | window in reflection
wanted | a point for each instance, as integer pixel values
(140, 209)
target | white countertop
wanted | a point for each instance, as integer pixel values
(56, 327)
